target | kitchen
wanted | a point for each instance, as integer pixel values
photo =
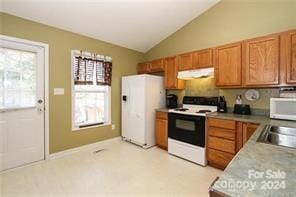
(208, 119)
(147, 98)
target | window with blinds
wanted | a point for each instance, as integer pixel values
(83, 70)
(90, 65)
(92, 75)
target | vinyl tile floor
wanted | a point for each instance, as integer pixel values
(122, 169)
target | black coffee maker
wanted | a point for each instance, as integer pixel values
(171, 101)
(222, 105)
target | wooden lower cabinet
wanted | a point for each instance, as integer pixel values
(222, 132)
(225, 138)
(221, 144)
(161, 130)
(218, 159)
(248, 130)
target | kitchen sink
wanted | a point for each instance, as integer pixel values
(277, 135)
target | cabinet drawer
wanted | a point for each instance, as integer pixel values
(218, 159)
(162, 115)
(226, 124)
(221, 144)
(222, 133)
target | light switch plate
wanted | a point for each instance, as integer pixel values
(58, 91)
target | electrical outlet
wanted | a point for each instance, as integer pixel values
(113, 126)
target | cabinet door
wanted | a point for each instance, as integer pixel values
(162, 133)
(218, 159)
(228, 65)
(291, 57)
(143, 68)
(157, 65)
(262, 61)
(203, 58)
(171, 72)
(248, 130)
(185, 61)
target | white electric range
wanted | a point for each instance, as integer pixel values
(187, 126)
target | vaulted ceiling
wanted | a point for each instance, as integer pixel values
(134, 24)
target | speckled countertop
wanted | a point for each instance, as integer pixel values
(249, 173)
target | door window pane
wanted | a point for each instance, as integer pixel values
(17, 78)
(89, 108)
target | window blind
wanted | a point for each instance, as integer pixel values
(104, 72)
(83, 71)
(89, 65)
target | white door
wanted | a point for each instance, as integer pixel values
(21, 104)
(133, 108)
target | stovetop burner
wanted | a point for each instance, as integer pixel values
(181, 109)
(203, 111)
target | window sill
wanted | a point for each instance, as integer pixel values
(74, 129)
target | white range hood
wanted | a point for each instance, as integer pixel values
(194, 74)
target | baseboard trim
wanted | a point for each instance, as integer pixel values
(88, 147)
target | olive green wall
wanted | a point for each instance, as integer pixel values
(60, 45)
(228, 21)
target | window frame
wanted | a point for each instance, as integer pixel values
(107, 107)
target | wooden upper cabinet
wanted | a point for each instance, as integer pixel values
(203, 58)
(290, 47)
(185, 61)
(262, 61)
(170, 74)
(157, 65)
(143, 68)
(228, 65)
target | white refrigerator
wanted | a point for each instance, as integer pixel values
(141, 95)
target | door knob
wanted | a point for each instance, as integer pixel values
(40, 101)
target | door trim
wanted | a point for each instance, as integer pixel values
(46, 85)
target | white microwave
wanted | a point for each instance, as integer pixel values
(283, 108)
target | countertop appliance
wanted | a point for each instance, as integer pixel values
(242, 109)
(171, 101)
(186, 130)
(283, 108)
(141, 95)
(222, 105)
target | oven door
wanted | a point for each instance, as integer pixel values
(187, 128)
